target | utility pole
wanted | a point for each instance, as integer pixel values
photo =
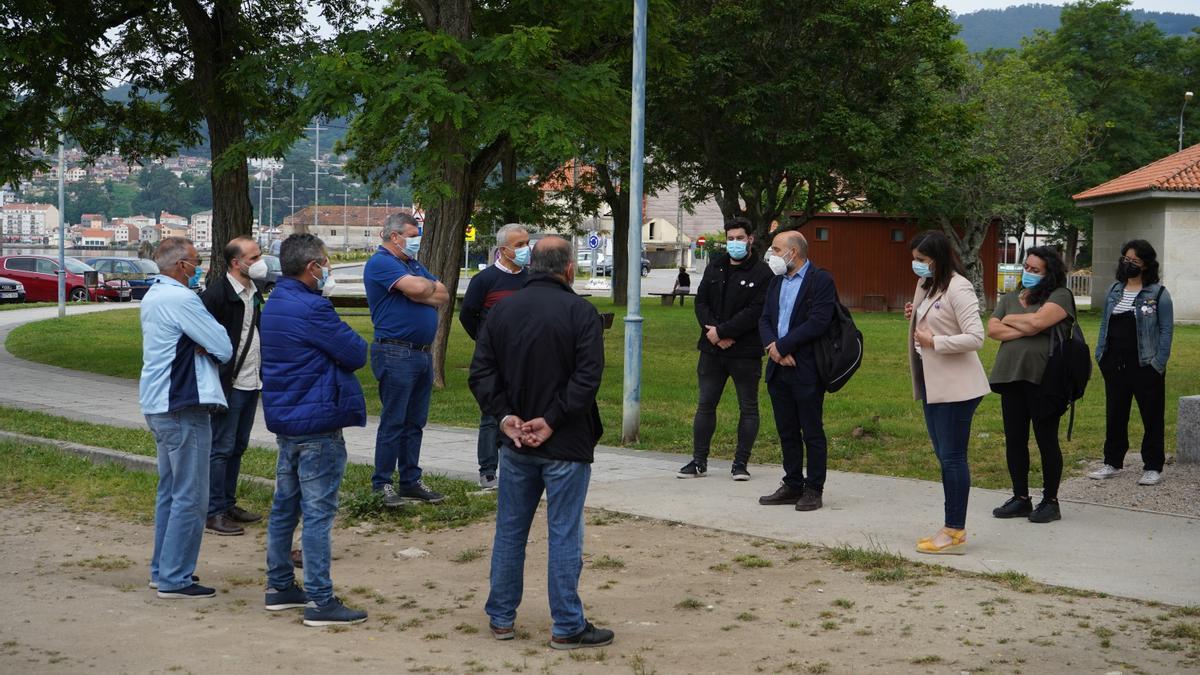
(316, 129)
(345, 222)
(632, 399)
(1187, 96)
(62, 221)
(679, 225)
(260, 188)
(291, 180)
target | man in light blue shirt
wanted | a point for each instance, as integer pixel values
(789, 289)
(179, 387)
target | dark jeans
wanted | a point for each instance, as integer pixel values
(1121, 386)
(1017, 408)
(487, 448)
(798, 410)
(713, 371)
(405, 385)
(230, 436)
(307, 477)
(949, 426)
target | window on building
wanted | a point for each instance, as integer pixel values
(897, 234)
(651, 237)
(822, 234)
(333, 232)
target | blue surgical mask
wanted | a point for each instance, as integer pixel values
(921, 269)
(521, 256)
(412, 246)
(1029, 279)
(737, 249)
(321, 281)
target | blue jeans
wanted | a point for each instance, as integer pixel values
(949, 426)
(523, 478)
(405, 385)
(487, 448)
(230, 436)
(183, 439)
(307, 479)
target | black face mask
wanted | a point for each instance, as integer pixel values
(1127, 270)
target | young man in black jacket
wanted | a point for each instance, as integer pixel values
(537, 368)
(236, 304)
(729, 302)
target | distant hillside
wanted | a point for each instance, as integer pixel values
(1004, 28)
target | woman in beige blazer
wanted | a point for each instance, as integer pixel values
(945, 334)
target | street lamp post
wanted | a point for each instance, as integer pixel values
(632, 403)
(1187, 96)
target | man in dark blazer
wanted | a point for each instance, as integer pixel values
(799, 308)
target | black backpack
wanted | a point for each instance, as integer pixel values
(1067, 371)
(839, 352)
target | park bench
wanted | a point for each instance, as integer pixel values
(668, 299)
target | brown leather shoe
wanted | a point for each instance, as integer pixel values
(240, 515)
(786, 494)
(809, 501)
(223, 525)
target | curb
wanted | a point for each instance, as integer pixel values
(100, 455)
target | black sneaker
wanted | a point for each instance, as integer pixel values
(786, 494)
(739, 472)
(391, 498)
(1016, 507)
(154, 582)
(240, 515)
(590, 636)
(693, 469)
(289, 598)
(809, 501)
(1045, 512)
(192, 592)
(420, 494)
(332, 613)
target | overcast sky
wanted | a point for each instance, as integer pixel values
(1180, 6)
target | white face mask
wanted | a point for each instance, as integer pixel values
(777, 264)
(258, 270)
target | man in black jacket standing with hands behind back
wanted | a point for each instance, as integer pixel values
(729, 302)
(537, 368)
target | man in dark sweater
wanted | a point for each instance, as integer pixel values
(537, 369)
(505, 277)
(729, 302)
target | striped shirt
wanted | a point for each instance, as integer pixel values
(1125, 304)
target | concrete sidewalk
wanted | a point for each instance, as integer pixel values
(1105, 549)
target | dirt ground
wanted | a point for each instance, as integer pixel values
(681, 600)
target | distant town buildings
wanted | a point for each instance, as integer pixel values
(200, 229)
(342, 227)
(28, 223)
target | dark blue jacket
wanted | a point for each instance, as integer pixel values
(811, 316)
(309, 356)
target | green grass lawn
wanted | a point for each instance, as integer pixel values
(6, 307)
(878, 399)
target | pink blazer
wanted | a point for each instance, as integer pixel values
(951, 369)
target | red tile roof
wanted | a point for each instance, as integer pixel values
(1179, 172)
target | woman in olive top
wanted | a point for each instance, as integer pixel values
(944, 338)
(1023, 322)
(1134, 344)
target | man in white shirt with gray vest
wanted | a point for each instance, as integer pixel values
(237, 306)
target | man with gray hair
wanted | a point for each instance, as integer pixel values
(537, 368)
(403, 297)
(505, 277)
(179, 388)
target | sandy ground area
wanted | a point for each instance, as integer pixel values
(681, 600)
(1177, 493)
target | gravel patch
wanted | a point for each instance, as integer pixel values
(1178, 493)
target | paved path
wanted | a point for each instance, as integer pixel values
(1112, 550)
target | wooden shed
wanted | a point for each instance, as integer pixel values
(868, 255)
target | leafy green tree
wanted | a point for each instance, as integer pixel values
(445, 89)
(781, 102)
(219, 67)
(989, 152)
(160, 191)
(87, 197)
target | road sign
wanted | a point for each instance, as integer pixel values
(700, 241)
(593, 241)
(470, 233)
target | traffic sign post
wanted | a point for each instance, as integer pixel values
(701, 241)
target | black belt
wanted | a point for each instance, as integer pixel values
(403, 343)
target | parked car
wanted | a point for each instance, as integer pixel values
(606, 268)
(39, 274)
(135, 271)
(11, 290)
(274, 271)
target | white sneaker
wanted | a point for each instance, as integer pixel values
(1106, 471)
(1150, 478)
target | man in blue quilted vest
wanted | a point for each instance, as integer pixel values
(310, 393)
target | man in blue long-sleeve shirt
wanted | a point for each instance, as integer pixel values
(179, 388)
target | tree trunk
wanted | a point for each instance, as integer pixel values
(441, 251)
(233, 214)
(620, 267)
(967, 244)
(1071, 247)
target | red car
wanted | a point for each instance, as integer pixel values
(39, 274)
